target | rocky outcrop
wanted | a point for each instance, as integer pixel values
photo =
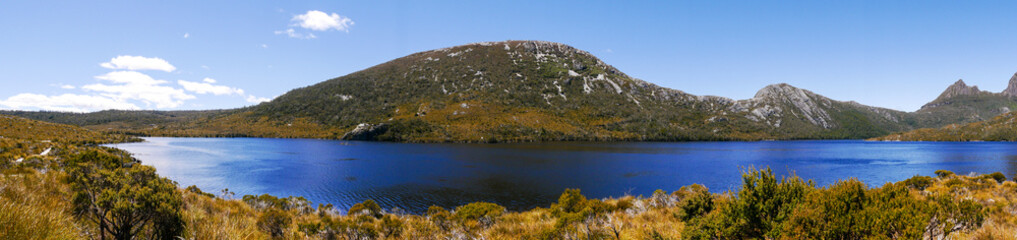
(959, 88)
(1011, 89)
(366, 131)
(771, 102)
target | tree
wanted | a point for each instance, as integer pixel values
(124, 199)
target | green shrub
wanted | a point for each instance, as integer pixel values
(274, 222)
(943, 173)
(441, 217)
(998, 176)
(194, 189)
(697, 201)
(763, 204)
(832, 213)
(392, 226)
(918, 182)
(125, 200)
(482, 212)
(368, 207)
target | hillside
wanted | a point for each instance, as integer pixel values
(12, 127)
(960, 104)
(510, 91)
(999, 128)
(537, 91)
(964, 113)
(32, 142)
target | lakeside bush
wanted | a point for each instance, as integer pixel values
(56, 198)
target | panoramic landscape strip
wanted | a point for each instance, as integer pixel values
(63, 186)
(454, 120)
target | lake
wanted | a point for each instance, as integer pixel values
(413, 177)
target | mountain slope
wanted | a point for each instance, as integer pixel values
(12, 127)
(531, 90)
(966, 104)
(999, 128)
(513, 91)
(799, 113)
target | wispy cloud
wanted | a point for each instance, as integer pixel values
(138, 63)
(294, 34)
(127, 89)
(187, 35)
(206, 87)
(65, 103)
(253, 99)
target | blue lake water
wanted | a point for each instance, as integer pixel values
(522, 176)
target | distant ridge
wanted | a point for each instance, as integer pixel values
(514, 91)
(959, 88)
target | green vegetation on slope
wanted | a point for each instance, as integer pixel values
(999, 128)
(964, 109)
(31, 130)
(509, 91)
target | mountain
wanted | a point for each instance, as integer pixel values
(799, 113)
(964, 113)
(1011, 88)
(497, 91)
(517, 91)
(533, 90)
(999, 128)
(966, 104)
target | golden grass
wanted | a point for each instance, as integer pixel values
(36, 206)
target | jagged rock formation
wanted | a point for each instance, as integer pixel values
(958, 89)
(1011, 88)
(960, 103)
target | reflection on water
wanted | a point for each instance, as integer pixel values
(521, 176)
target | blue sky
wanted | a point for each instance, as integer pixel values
(217, 54)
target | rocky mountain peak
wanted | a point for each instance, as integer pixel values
(781, 90)
(957, 89)
(775, 99)
(1011, 89)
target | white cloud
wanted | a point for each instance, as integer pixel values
(125, 90)
(264, 45)
(253, 99)
(138, 86)
(138, 63)
(207, 88)
(205, 67)
(65, 103)
(187, 35)
(321, 21)
(294, 34)
(63, 86)
(129, 77)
